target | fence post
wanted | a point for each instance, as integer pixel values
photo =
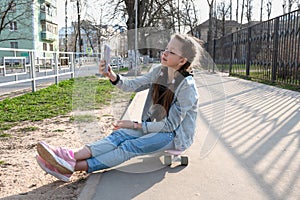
(248, 53)
(231, 53)
(275, 49)
(214, 55)
(55, 55)
(32, 70)
(72, 65)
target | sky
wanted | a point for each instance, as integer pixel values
(202, 4)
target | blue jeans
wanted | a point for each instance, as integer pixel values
(124, 144)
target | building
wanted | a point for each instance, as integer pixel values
(93, 38)
(31, 24)
(220, 28)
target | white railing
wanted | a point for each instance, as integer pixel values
(29, 66)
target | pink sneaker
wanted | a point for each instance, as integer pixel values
(61, 158)
(52, 170)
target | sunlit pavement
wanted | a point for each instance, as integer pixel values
(247, 146)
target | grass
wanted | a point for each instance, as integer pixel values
(58, 131)
(268, 82)
(5, 135)
(132, 96)
(125, 69)
(279, 85)
(91, 93)
(84, 118)
(82, 93)
(28, 129)
(263, 74)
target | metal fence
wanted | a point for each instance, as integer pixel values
(269, 50)
(19, 66)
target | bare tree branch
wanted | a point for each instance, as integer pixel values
(14, 11)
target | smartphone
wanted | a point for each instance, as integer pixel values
(106, 56)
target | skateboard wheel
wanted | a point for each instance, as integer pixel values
(184, 160)
(167, 160)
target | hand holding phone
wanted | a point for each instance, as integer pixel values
(106, 57)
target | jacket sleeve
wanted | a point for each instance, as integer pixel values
(140, 83)
(186, 99)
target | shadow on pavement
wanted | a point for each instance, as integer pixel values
(262, 131)
(116, 184)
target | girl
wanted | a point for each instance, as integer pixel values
(168, 119)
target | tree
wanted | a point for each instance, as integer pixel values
(223, 11)
(14, 14)
(154, 17)
(249, 9)
(269, 8)
(261, 9)
(151, 13)
(230, 9)
(97, 27)
(210, 26)
(283, 6)
(237, 11)
(291, 3)
(90, 31)
(242, 12)
(189, 16)
(80, 6)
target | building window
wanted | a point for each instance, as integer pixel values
(54, 29)
(45, 46)
(43, 26)
(49, 28)
(13, 26)
(48, 9)
(43, 7)
(51, 47)
(14, 45)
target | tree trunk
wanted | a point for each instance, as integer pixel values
(210, 27)
(242, 13)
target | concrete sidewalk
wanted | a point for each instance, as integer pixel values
(247, 146)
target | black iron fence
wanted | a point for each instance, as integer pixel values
(269, 50)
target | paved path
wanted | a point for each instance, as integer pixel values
(247, 146)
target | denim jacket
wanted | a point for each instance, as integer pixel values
(182, 113)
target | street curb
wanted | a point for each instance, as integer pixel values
(135, 108)
(89, 190)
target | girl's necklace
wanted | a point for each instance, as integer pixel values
(171, 76)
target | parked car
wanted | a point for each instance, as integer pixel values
(116, 63)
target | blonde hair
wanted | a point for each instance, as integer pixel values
(191, 48)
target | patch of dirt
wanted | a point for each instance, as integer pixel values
(20, 175)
